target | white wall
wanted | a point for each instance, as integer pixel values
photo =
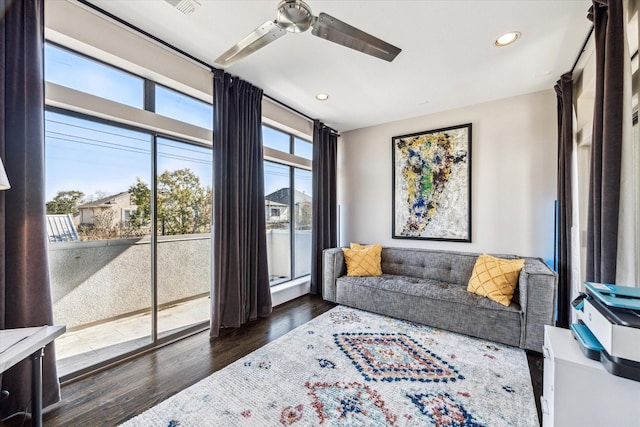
(514, 152)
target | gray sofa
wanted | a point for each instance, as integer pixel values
(430, 287)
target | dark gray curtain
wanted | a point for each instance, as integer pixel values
(606, 145)
(25, 297)
(564, 92)
(240, 278)
(324, 218)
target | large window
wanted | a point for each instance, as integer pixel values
(78, 72)
(287, 206)
(94, 278)
(278, 202)
(128, 214)
(276, 139)
(129, 209)
(176, 105)
(184, 202)
(90, 169)
(302, 148)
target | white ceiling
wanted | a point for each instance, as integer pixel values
(448, 58)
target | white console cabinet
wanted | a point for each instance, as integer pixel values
(578, 391)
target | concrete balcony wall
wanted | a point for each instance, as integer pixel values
(100, 280)
(278, 244)
(303, 252)
(278, 253)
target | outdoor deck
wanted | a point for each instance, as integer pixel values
(83, 347)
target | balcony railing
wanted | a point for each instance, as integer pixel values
(96, 281)
(102, 289)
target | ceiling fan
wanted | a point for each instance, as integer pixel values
(295, 16)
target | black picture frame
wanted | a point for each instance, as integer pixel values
(432, 184)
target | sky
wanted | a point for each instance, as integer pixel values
(93, 157)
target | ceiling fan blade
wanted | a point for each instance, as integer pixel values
(332, 29)
(259, 38)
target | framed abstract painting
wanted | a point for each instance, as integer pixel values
(432, 184)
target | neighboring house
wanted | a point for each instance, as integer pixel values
(277, 207)
(120, 204)
(276, 212)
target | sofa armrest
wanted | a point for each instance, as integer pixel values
(333, 266)
(537, 293)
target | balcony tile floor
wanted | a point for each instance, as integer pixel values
(78, 349)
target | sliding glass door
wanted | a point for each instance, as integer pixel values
(119, 283)
(184, 202)
(100, 263)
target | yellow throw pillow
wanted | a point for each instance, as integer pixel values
(363, 260)
(495, 278)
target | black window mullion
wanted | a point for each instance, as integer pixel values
(292, 224)
(149, 95)
(154, 239)
(292, 219)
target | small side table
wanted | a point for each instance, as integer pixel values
(578, 391)
(18, 344)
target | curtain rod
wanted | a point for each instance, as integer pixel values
(143, 32)
(293, 110)
(584, 46)
(183, 53)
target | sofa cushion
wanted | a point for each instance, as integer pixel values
(427, 288)
(443, 266)
(363, 260)
(438, 304)
(495, 278)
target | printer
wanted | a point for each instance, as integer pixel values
(608, 327)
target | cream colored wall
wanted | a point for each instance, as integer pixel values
(514, 152)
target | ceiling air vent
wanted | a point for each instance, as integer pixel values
(185, 6)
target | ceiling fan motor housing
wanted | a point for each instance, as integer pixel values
(294, 16)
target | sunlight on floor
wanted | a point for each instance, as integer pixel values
(83, 347)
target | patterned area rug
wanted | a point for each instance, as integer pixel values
(352, 368)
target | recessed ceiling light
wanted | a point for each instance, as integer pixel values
(507, 38)
(322, 97)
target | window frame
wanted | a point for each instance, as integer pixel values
(68, 101)
(114, 112)
(75, 103)
(151, 95)
(293, 162)
(105, 64)
(155, 338)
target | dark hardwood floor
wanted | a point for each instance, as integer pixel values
(120, 392)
